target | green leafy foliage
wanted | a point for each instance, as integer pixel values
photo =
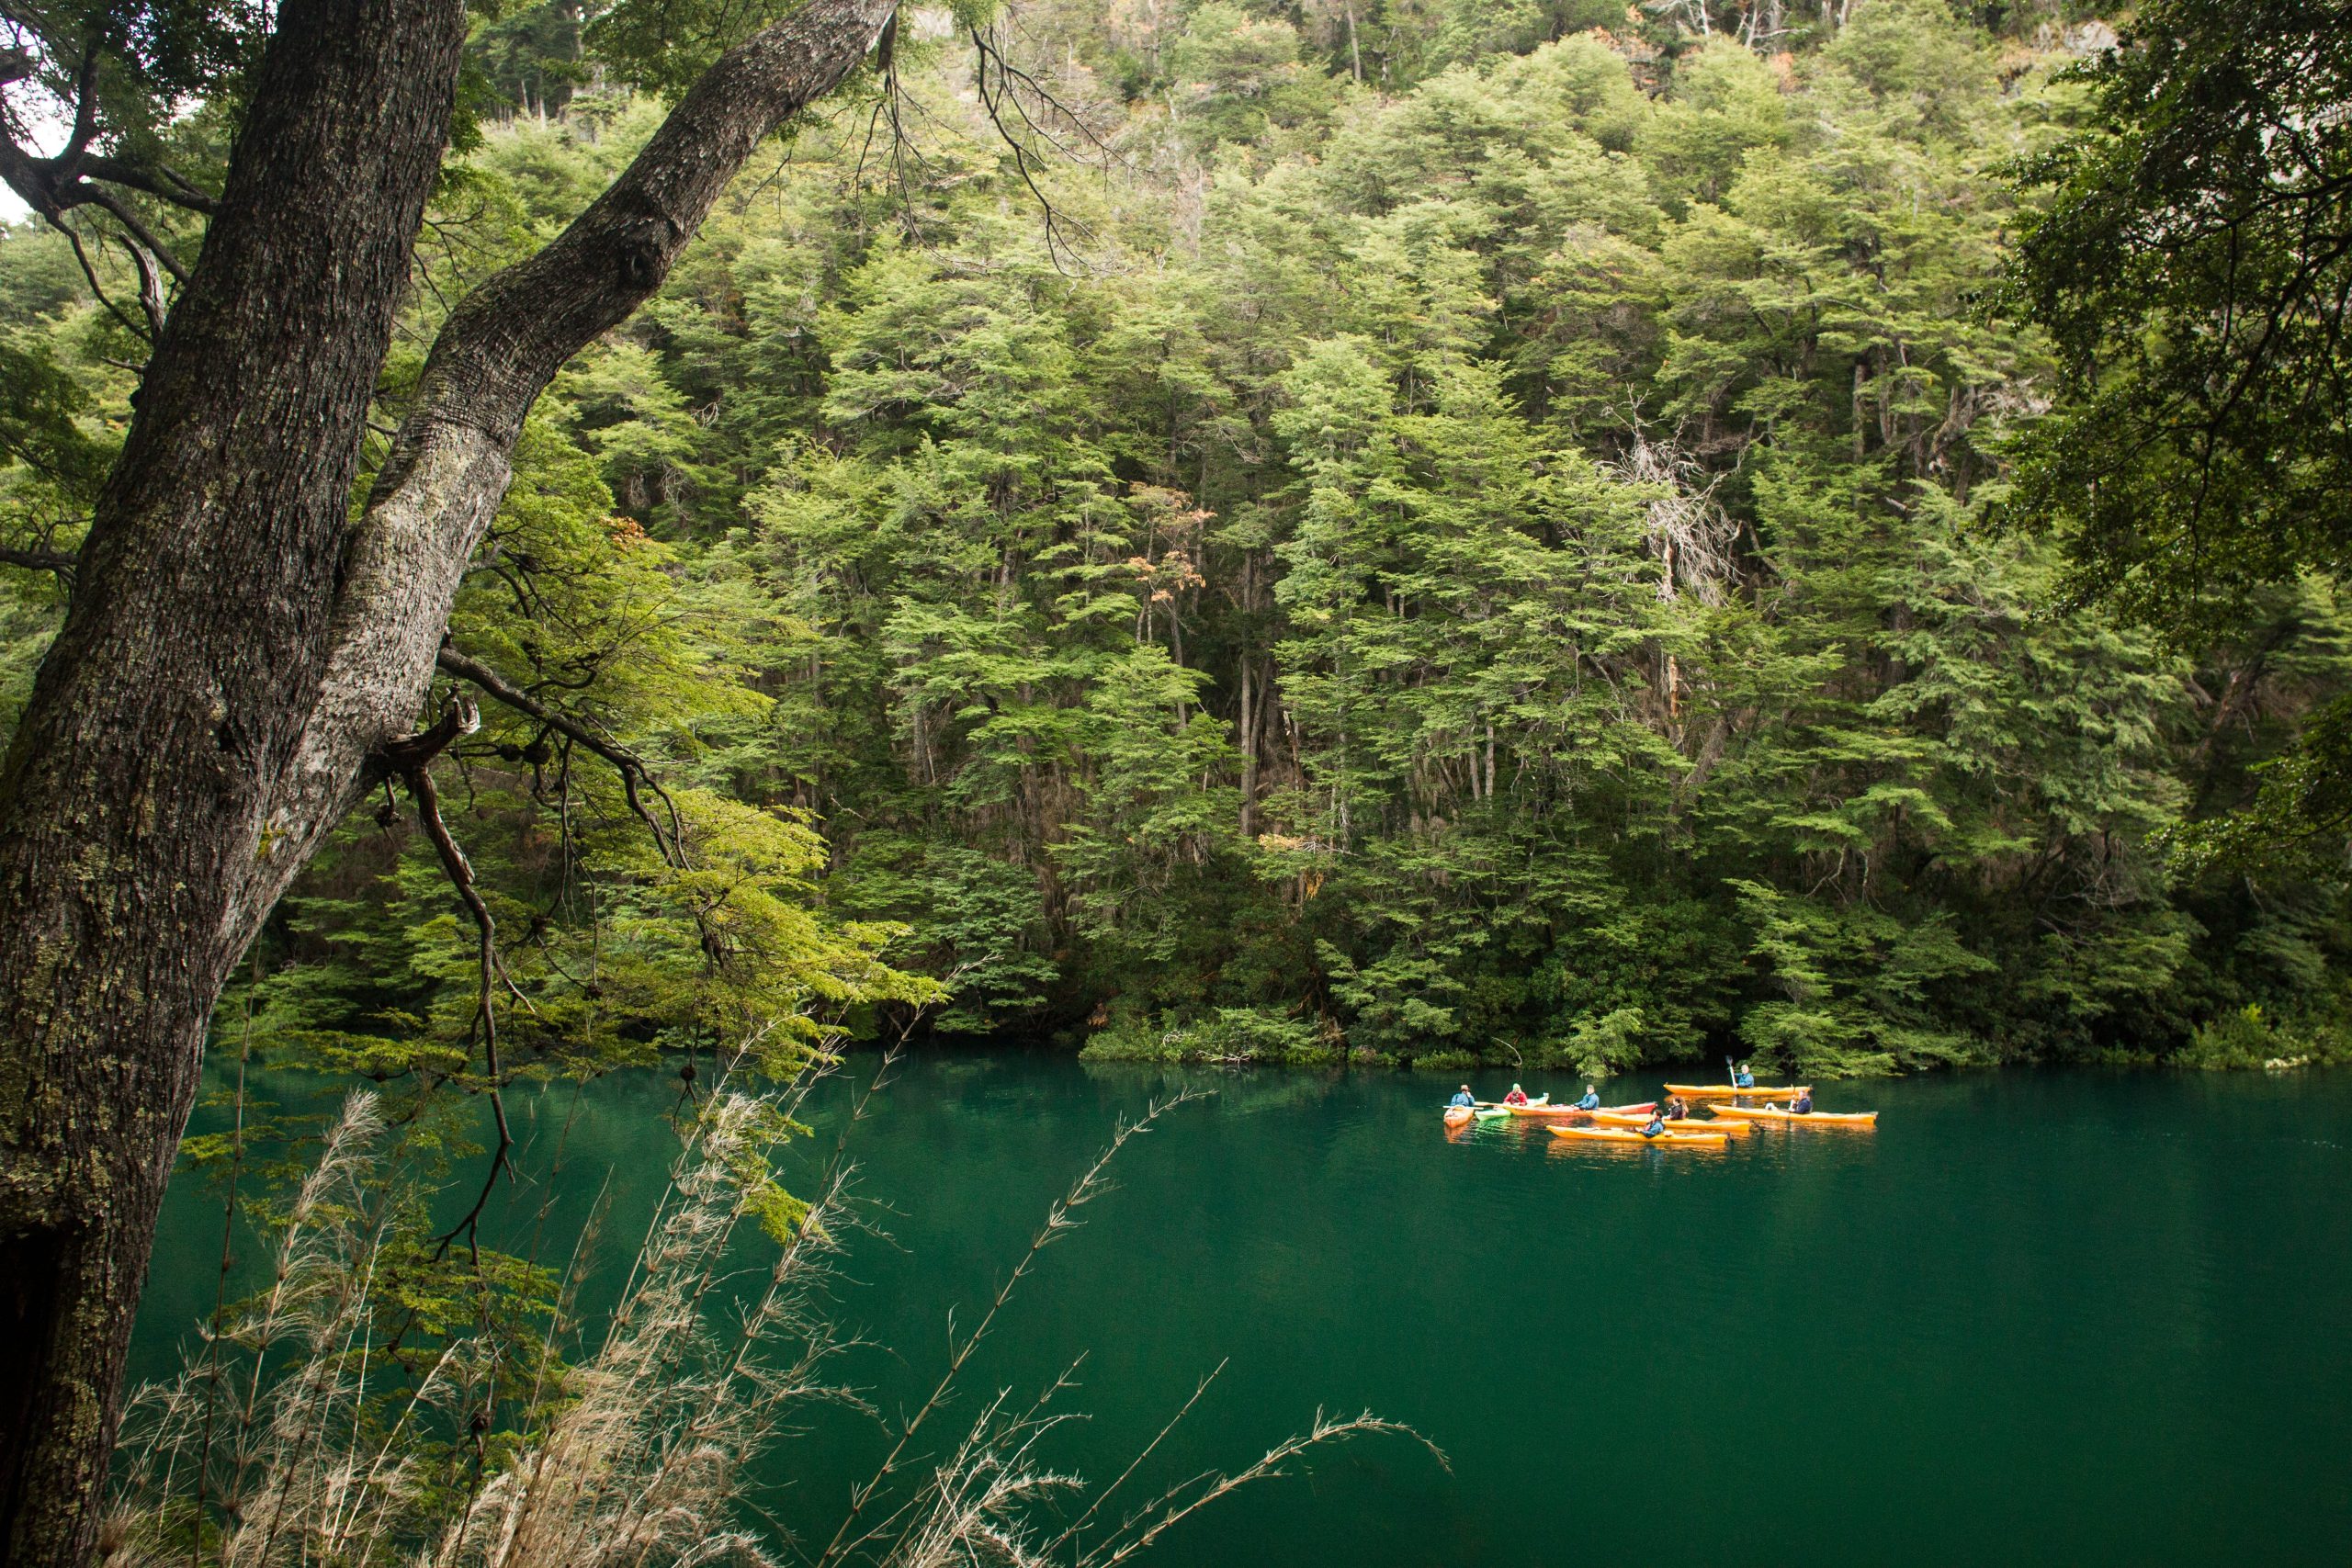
(2191, 266)
(1478, 552)
(2190, 269)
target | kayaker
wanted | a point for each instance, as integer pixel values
(1676, 1109)
(1657, 1125)
(1463, 1097)
(1517, 1096)
(1802, 1104)
(1591, 1100)
(1744, 1078)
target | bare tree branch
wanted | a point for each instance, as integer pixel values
(159, 182)
(58, 561)
(151, 287)
(450, 464)
(90, 275)
(635, 773)
(412, 759)
(140, 234)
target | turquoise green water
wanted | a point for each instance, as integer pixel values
(2038, 1316)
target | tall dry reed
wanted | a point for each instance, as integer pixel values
(290, 1439)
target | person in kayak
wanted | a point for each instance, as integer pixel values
(1462, 1097)
(1745, 1077)
(1802, 1104)
(1676, 1109)
(1517, 1096)
(1591, 1100)
(1657, 1125)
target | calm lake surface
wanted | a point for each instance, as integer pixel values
(2038, 1316)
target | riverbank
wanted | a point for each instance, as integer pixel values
(2247, 1039)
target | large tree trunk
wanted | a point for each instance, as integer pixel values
(131, 798)
(237, 652)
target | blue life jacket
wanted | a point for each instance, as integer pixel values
(1462, 1098)
(1801, 1105)
(1744, 1080)
(1657, 1125)
(1590, 1102)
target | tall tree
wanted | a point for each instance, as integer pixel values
(2193, 268)
(242, 654)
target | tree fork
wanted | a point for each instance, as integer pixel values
(130, 798)
(236, 651)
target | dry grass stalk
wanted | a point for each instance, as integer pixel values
(650, 1447)
(301, 1481)
(638, 1456)
(1059, 1222)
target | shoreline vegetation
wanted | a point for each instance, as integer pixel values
(2247, 1039)
(1494, 561)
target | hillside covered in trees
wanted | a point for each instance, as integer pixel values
(1298, 532)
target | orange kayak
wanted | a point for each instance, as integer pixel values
(1457, 1114)
(1571, 1112)
(1675, 1124)
(1627, 1135)
(1725, 1091)
(1823, 1118)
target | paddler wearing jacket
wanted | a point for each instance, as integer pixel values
(1801, 1105)
(1676, 1109)
(1591, 1100)
(1463, 1097)
(1517, 1096)
(1657, 1125)
(1745, 1077)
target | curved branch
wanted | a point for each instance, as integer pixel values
(509, 337)
(411, 753)
(160, 182)
(635, 773)
(450, 464)
(144, 236)
(411, 758)
(90, 275)
(58, 561)
(151, 287)
(460, 871)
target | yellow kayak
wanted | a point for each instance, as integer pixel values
(1675, 1124)
(1627, 1135)
(1822, 1118)
(1725, 1091)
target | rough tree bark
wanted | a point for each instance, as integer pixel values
(131, 798)
(238, 653)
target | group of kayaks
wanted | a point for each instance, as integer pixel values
(1736, 1112)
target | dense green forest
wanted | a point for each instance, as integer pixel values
(1403, 532)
